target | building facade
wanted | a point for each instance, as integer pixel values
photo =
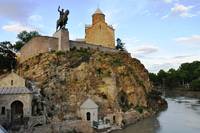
(89, 111)
(15, 99)
(100, 33)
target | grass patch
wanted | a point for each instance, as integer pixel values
(117, 62)
(59, 53)
(139, 109)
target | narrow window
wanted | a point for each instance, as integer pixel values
(11, 82)
(88, 116)
(3, 110)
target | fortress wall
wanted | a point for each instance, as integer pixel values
(36, 45)
(79, 45)
(43, 44)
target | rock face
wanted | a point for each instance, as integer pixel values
(115, 81)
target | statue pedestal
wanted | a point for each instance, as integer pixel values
(63, 39)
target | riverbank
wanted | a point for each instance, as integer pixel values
(185, 93)
(182, 115)
(157, 104)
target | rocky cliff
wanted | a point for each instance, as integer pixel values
(115, 81)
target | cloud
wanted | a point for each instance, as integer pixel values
(35, 18)
(145, 49)
(20, 14)
(146, 13)
(17, 10)
(139, 48)
(182, 56)
(181, 11)
(168, 1)
(191, 40)
(36, 21)
(165, 63)
(17, 27)
(164, 17)
(157, 67)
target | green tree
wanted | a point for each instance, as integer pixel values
(154, 78)
(172, 78)
(186, 74)
(161, 75)
(120, 46)
(7, 56)
(195, 85)
(182, 75)
(191, 70)
(24, 37)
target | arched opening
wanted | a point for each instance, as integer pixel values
(16, 111)
(88, 116)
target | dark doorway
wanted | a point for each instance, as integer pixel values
(16, 111)
(114, 119)
(88, 116)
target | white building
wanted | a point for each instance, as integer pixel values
(89, 111)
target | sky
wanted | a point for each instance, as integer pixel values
(162, 34)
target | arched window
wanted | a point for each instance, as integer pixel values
(88, 116)
(11, 82)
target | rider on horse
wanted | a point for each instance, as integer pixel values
(61, 13)
(62, 21)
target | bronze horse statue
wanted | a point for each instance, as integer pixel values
(62, 21)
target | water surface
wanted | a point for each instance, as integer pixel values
(182, 116)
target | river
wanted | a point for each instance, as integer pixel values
(181, 116)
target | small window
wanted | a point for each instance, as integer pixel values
(11, 82)
(3, 110)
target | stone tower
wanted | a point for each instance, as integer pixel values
(100, 33)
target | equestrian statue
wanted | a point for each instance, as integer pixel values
(62, 21)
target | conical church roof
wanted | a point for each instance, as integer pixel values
(98, 11)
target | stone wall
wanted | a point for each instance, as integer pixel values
(83, 45)
(7, 100)
(100, 34)
(17, 81)
(43, 44)
(65, 127)
(93, 114)
(36, 45)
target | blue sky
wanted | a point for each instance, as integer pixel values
(161, 33)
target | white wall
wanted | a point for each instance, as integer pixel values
(93, 114)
